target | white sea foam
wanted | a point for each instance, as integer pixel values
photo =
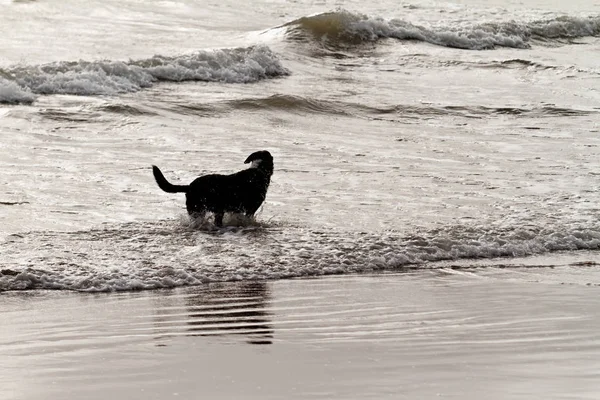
(342, 26)
(241, 65)
(134, 256)
(12, 93)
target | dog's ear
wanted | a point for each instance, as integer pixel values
(258, 155)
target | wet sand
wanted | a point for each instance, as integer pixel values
(522, 333)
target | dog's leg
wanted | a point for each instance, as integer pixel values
(195, 209)
(197, 214)
(219, 218)
(250, 215)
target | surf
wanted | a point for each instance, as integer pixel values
(167, 254)
(22, 84)
(342, 28)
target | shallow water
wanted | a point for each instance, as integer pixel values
(415, 335)
(392, 147)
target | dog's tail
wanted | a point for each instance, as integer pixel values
(165, 185)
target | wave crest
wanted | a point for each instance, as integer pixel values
(343, 28)
(12, 93)
(241, 65)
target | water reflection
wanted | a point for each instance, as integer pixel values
(234, 308)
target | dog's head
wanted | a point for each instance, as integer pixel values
(261, 159)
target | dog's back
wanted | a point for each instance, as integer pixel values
(242, 192)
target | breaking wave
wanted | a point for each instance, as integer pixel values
(139, 256)
(343, 28)
(12, 93)
(240, 65)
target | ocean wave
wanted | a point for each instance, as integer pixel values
(240, 65)
(139, 256)
(12, 93)
(345, 28)
(309, 105)
(277, 102)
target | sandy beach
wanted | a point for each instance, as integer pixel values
(445, 333)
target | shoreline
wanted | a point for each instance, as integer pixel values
(415, 335)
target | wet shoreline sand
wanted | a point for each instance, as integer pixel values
(456, 333)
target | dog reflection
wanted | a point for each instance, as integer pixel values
(234, 308)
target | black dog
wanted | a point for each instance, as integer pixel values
(242, 192)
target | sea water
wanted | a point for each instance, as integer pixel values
(405, 135)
